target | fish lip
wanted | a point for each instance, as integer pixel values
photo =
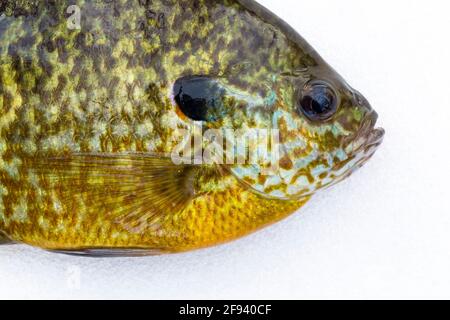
(369, 136)
(370, 132)
(376, 137)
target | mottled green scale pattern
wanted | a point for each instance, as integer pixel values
(107, 88)
(109, 83)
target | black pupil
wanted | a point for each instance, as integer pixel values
(318, 102)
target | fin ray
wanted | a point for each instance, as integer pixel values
(136, 189)
(110, 253)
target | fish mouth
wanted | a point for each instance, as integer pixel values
(373, 140)
(369, 135)
(375, 137)
(366, 142)
(360, 149)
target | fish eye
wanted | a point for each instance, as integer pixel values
(318, 101)
(198, 97)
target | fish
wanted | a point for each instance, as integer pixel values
(149, 127)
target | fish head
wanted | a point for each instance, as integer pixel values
(325, 129)
(309, 132)
(318, 129)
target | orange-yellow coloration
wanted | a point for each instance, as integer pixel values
(208, 220)
(90, 116)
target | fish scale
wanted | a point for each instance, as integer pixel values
(88, 117)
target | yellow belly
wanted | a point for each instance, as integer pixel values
(207, 220)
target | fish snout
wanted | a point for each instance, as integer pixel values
(362, 102)
(368, 135)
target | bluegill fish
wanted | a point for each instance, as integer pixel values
(94, 95)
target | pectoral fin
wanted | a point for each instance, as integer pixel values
(133, 189)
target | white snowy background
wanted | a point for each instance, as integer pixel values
(385, 233)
